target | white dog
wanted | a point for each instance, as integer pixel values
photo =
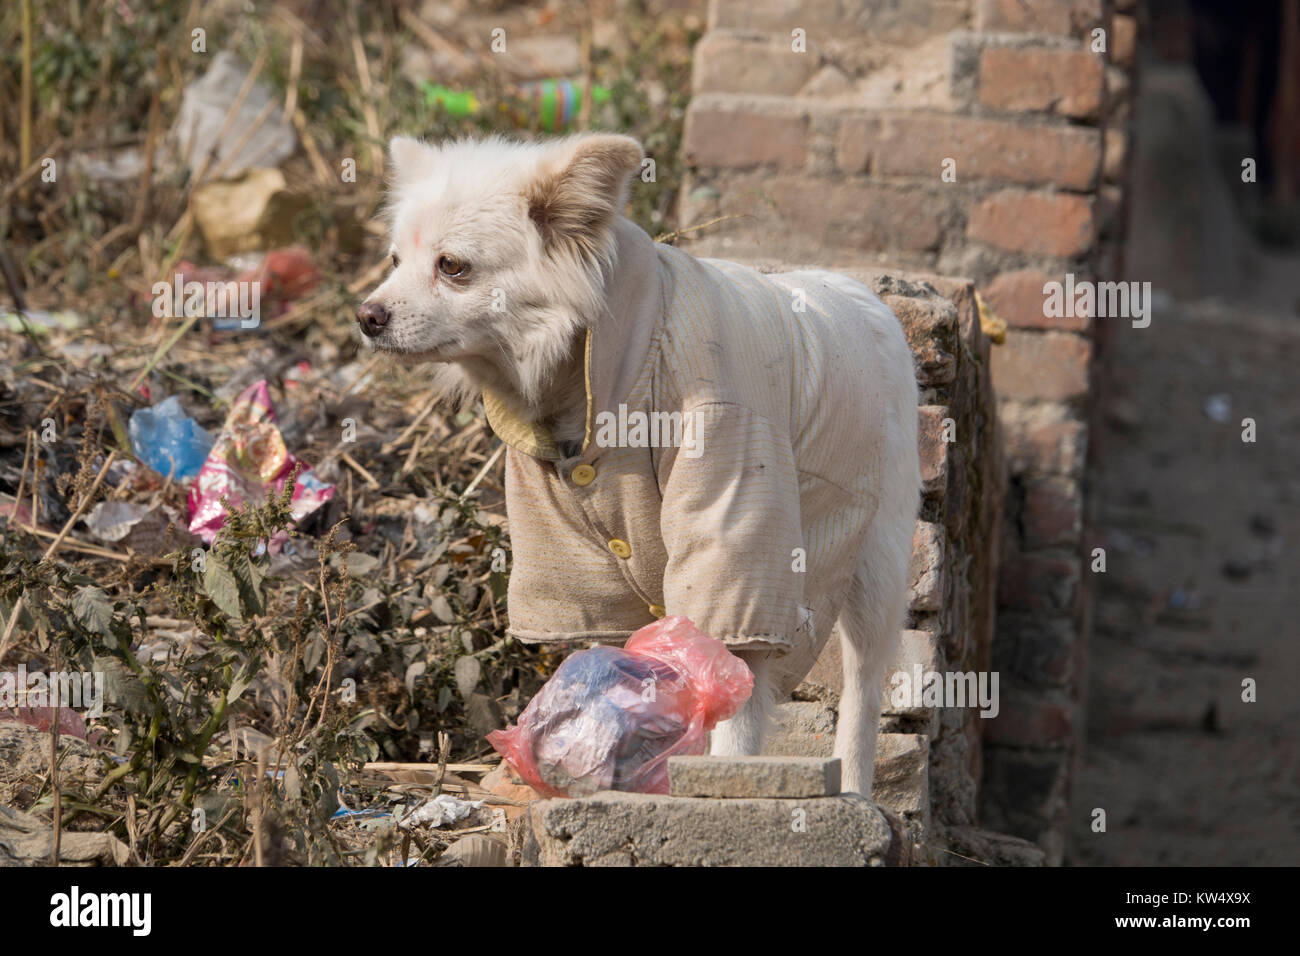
(686, 436)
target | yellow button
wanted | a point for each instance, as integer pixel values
(583, 475)
(620, 548)
(658, 610)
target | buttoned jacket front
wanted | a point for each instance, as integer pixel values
(747, 512)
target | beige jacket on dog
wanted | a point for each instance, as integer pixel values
(747, 513)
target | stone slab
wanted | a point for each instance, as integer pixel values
(779, 777)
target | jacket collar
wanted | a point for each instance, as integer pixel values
(617, 345)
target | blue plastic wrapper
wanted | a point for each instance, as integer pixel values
(168, 440)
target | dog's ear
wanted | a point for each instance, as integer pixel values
(409, 157)
(576, 195)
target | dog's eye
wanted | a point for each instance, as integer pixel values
(396, 261)
(451, 266)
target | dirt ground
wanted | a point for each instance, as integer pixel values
(1200, 594)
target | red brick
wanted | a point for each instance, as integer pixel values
(888, 24)
(730, 63)
(1060, 17)
(1042, 447)
(854, 141)
(1039, 223)
(933, 449)
(1051, 366)
(916, 144)
(1123, 40)
(871, 217)
(1018, 298)
(1030, 721)
(1065, 82)
(1114, 153)
(1119, 94)
(1052, 515)
(739, 139)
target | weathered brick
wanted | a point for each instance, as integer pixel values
(1039, 650)
(1123, 40)
(1061, 17)
(1039, 442)
(1039, 223)
(1039, 582)
(925, 571)
(905, 24)
(1119, 92)
(870, 217)
(917, 144)
(898, 689)
(1025, 793)
(740, 777)
(1027, 719)
(1041, 365)
(1110, 211)
(934, 450)
(902, 780)
(1018, 298)
(1053, 513)
(930, 324)
(733, 137)
(732, 62)
(1065, 82)
(854, 142)
(1114, 153)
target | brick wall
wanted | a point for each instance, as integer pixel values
(971, 138)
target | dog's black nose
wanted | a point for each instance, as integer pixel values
(372, 317)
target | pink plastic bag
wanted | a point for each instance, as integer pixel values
(610, 718)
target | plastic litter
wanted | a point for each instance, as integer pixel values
(71, 723)
(1218, 407)
(282, 276)
(248, 459)
(255, 211)
(113, 520)
(439, 811)
(42, 320)
(610, 718)
(202, 116)
(554, 104)
(168, 440)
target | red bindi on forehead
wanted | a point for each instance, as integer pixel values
(417, 238)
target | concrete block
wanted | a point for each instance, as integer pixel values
(635, 829)
(739, 777)
(802, 728)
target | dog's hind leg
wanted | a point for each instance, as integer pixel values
(869, 626)
(743, 734)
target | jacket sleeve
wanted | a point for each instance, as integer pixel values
(730, 523)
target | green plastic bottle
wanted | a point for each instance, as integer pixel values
(553, 103)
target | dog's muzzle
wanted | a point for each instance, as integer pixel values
(372, 317)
